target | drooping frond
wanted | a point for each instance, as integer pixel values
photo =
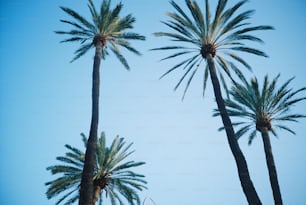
(80, 19)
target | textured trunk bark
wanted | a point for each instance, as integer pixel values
(271, 167)
(243, 172)
(96, 194)
(87, 188)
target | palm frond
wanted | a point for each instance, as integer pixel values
(94, 13)
(189, 65)
(206, 73)
(182, 17)
(68, 160)
(240, 60)
(291, 117)
(234, 24)
(125, 44)
(76, 151)
(178, 27)
(176, 37)
(82, 50)
(175, 67)
(78, 26)
(126, 23)
(283, 107)
(223, 64)
(274, 132)
(72, 200)
(79, 18)
(74, 39)
(251, 137)
(101, 149)
(285, 128)
(104, 17)
(63, 169)
(197, 16)
(120, 157)
(243, 130)
(126, 166)
(188, 82)
(281, 92)
(130, 36)
(176, 55)
(250, 50)
(76, 33)
(255, 28)
(67, 195)
(238, 73)
(120, 57)
(220, 7)
(229, 12)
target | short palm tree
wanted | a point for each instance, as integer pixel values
(215, 42)
(112, 175)
(106, 32)
(263, 110)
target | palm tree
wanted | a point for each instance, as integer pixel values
(263, 110)
(112, 175)
(214, 41)
(105, 32)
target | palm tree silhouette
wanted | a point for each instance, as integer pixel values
(214, 41)
(105, 32)
(263, 110)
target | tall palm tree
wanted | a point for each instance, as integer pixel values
(214, 41)
(263, 110)
(105, 32)
(112, 175)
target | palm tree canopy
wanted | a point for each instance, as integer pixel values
(198, 35)
(106, 28)
(268, 107)
(113, 174)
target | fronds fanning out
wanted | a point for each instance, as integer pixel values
(196, 35)
(105, 27)
(113, 177)
(269, 106)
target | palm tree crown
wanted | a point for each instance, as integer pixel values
(112, 174)
(201, 35)
(267, 107)
(106, 28)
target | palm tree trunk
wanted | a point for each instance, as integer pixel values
(96, 194)
(271, 167)
(243, 172)
(87, 188)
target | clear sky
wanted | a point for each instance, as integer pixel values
(45, 103)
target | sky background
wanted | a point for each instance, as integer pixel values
(45, 103)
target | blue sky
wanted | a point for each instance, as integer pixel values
(45, 103)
